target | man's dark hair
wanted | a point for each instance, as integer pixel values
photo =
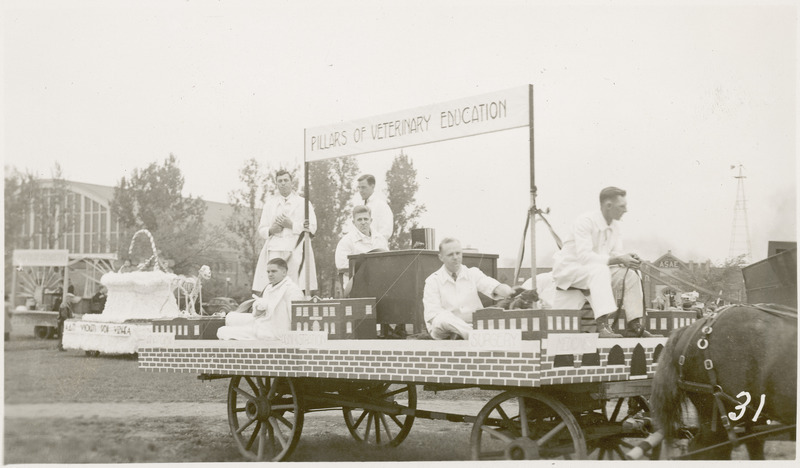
(369, 177)
(282, 172)
(611, 193)
(280, 262)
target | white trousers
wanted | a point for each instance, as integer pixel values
(604, 284)
(445, 325)
(238, 326)
(243, 326)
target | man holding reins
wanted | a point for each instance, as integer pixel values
(593, 258)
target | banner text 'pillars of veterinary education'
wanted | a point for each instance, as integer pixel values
(486, 113)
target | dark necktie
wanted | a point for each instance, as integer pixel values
(455, 276)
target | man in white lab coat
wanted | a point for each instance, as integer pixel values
(270, 314)
(282, 225)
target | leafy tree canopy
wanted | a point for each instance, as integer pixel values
(151, 198)
(331, 191)
(401, 193)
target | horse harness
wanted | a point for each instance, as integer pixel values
(713, 388)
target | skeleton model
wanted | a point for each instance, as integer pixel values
(192, 289)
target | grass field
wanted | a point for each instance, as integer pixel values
(35, 373)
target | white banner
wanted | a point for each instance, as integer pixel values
(114, 329)
(486, 113)
(31, 258)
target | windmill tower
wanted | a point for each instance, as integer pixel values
(740, 232)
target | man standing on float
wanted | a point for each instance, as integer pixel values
(282, 223)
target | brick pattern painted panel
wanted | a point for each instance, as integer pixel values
(551, 375)
(501, 368)
(391, 360)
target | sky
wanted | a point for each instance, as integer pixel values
(658, 98)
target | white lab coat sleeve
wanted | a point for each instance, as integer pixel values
(484, 284)
(431, 299)
(582, 232)
(617, 250)
(312, 219)
(385, 220)
(343, 249)
(267, 216)
(299, 217)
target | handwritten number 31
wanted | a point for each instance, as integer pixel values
(742, 406)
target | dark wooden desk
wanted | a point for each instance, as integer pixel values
(396, 280)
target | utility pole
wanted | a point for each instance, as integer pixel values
(740, 232)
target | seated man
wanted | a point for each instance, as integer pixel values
(361, 240)
(271, 313)
(592, 258)
(451, 294)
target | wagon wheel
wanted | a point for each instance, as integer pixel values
(523, 425)
(629, 415)
(265, 417)
(378, 427)
(41, 332)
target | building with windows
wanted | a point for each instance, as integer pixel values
(85, 226)
(669, 279)
(88, 227)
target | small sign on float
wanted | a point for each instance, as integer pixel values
(505, 340)
(304, 338)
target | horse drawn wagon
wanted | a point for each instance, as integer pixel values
(561, 391)
(565, 395)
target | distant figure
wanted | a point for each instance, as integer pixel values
(9, 307)
(592, 258)
(99, 301)
(451, 296)
(59, 294)
(64, 313)
(361, 240)
(382, 216)
(282, 223)
(271, 313)
(127, 266)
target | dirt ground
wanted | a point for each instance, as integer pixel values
(66, 407)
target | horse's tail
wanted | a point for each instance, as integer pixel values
(666, 400)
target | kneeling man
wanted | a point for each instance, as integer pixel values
(271, 313)
(451, 294)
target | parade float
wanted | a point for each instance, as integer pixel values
(142, 309)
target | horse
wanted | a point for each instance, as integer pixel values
(723, 364)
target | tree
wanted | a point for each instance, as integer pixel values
(25, 194)
(331, 192)
(258, 182)
(14, 209)
(36, 214)
(152, 199)
(243, 223)
(14, 212)
(401, 192)
(713, 281)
